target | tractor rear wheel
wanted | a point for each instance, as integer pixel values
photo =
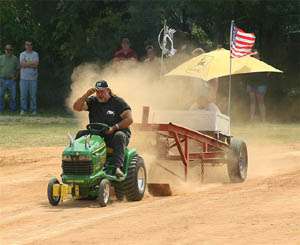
(104, 192)
(119, 191)
(237, 163)
(52, 200)
(135, 183)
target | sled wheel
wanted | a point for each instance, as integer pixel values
(237, 163)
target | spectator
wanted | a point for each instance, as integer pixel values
(9, 66)
(257, 88)
(150, 55)
(213, 84)
(197, 51)
(29, 61)
(125, 53)
(209, 89)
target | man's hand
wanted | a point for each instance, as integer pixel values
(80, 103)
(90, 92)
(111, 130)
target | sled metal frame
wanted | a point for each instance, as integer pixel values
(210, 151)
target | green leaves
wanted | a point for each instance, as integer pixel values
(67, 33)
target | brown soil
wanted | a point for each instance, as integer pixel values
(263, 210)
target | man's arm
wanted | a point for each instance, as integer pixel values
(125, 123)
(23, 62)
(33, 64)
(80, 104)
(17, 69)
(127, 119)
(29, 64)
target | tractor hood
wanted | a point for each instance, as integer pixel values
(85, 145)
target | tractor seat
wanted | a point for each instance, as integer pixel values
(109, 150)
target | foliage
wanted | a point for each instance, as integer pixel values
(67, 33)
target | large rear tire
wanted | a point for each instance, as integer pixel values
(54, 201)
(237, 163)
(119, 191)
(136, 181)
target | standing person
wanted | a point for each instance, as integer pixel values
(125, 53)
(150, 54)
(208, 89)
(152, 64)
(9, 67)
(29, 61)
(105, 107)
(257, 88)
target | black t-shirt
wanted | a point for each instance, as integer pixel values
(108, 112)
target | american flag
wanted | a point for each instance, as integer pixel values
(241, 43)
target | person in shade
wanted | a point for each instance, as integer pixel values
(9, 69)
(125, 53)
(257, 88)
(106, 107)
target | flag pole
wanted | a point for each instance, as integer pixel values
(162, 50)
(230, 64)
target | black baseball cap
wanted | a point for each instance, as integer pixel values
(101, 85)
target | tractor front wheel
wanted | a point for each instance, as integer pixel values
(104, 192)
(237, 163)
(135, 183)
(52, 199)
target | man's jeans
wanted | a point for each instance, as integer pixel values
(118, 142)
(10, 85)
(28, 87)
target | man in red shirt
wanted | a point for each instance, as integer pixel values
(125, 53)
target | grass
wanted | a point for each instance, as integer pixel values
(52, 129)
(25, 131)
(268, 132)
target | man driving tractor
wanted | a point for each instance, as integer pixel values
(105, 107)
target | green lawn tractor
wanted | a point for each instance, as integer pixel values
(89, 173)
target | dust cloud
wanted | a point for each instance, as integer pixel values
(138, 83)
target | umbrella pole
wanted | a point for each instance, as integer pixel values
(230, 63)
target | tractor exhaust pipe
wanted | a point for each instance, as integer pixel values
(71, 139)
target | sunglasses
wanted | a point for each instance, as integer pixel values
(28, 44)
(8, 49)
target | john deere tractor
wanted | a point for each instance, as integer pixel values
(89, 173)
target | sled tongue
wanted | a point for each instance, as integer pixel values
(159, 189)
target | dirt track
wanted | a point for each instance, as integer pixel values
(264, 209)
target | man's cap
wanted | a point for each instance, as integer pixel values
(101, 85)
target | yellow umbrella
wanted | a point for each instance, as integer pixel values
(217, 64)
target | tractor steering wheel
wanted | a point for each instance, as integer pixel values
(97, 128)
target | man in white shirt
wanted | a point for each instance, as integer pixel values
(29, 61)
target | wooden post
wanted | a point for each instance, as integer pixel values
(145, 116)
